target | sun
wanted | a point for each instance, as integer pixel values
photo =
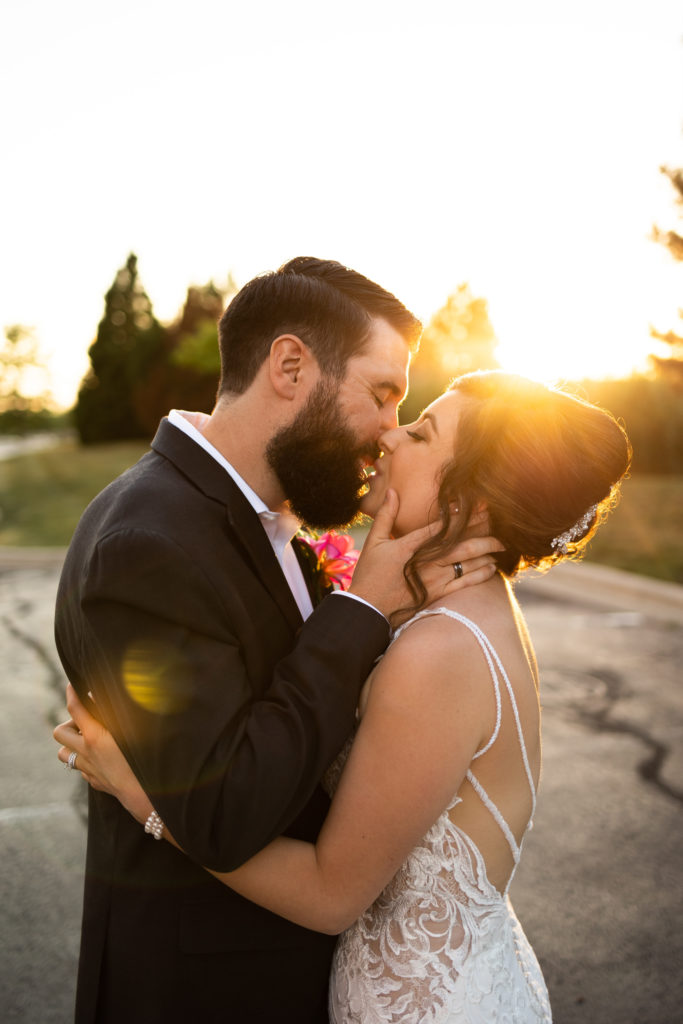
(552, 349)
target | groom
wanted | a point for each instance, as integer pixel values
(186, 608)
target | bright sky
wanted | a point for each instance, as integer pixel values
(512, 145)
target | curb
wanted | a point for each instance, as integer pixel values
(601, 585)
(31, 558)
(596, 585)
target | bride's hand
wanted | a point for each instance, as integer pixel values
(98, 758)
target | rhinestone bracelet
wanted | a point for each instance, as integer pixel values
(154, 825)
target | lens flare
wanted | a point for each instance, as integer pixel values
(156, 677)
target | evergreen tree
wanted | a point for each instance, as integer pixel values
(458, 338)
(129, 339)
(671, 366)
(186, 374)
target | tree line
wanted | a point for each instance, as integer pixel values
(141, 368)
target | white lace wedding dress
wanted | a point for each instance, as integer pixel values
(441, 945)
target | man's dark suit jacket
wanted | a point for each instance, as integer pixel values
(173, 610)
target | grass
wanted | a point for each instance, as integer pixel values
(644, 534)
(42, 496)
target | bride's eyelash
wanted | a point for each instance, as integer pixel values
(415, 437)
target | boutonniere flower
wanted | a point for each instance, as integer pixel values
(332, 558)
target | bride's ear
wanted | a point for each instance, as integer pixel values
(479, 515)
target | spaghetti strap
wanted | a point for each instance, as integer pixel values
(515, 850)
(497, 671)
(488, 651)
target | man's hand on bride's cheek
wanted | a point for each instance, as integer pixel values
(470, 562)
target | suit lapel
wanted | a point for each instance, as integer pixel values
(210, 477)
(249, 533)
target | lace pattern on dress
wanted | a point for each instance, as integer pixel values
(441, 945)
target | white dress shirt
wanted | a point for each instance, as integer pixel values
(279, 527)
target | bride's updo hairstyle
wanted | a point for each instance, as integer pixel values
(547, 464)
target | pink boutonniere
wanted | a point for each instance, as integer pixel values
(332, 558)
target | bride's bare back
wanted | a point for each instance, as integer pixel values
(442, 942)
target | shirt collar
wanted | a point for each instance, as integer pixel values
(280, 526)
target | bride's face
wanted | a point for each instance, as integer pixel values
(411, 463)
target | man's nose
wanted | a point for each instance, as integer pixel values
(388, 438)
(389, 418)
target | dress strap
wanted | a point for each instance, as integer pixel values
(496, 669)
(487, 649)
(515, 850)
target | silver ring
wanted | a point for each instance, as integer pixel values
(458, 570)
(71, 763)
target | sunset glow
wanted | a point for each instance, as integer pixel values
(514, 148)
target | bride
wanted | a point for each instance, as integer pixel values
(434, 796)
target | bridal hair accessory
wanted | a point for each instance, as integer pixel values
(154, 825)
(70, 764)
(575, 532)
(331, 557)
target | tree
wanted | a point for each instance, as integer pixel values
(671, 366)
(186, 374)
(458, 338)
(129, 339)
(196, 331)
(25, 398)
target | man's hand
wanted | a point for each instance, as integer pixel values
(378, 576)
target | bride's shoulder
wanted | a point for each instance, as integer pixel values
(448, 629)
(433, 673)
(430, 639)
(434, 641)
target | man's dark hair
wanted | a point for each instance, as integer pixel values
(327, 305)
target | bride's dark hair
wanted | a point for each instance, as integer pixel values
(539, 458)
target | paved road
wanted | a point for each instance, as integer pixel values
(11, 445)
(600, 889)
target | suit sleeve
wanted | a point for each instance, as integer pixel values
(227, 772)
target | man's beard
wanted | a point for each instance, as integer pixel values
(318, 462)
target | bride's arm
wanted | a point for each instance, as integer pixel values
(423, 722)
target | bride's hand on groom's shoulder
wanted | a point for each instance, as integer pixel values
(98, 757)
(379, 578)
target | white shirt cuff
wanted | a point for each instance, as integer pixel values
(355, 597)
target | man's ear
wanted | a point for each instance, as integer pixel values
(292, 366)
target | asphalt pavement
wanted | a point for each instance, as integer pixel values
(600, 887)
